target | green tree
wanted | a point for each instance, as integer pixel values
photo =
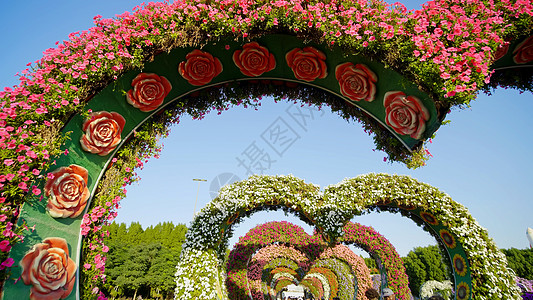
(423, 264)
(370, 263)
(142, 262)
(521, 261)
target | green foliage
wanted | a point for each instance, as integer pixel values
(142, 262)
(521, 261)
(423, 264)
(371, 264)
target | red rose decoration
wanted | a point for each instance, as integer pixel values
(307, 64)
(200, 67)
(67, 192)
(149, 91)
(405, 114)
(501, 51)
(357, 82)
(523, 53)
(254, 60)
(49, 269)
(102, 132)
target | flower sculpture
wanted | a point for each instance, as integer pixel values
(199, 67)
(315, 285)
(357, 81)
(458, 48)
(149, 91)
(357, 264)
(274, 257)
(459, 264)
(102, 132)
(405, 114)
(331, 283)
(254, 60)
(523, 53)
(432, 287)
(372, 241)
(49, 269)
(463, 291)
(330, 212)
(307, 64)
(67, 191)
(241, 271)
(501, 51)
(274, 248)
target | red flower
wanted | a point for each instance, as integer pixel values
(523, 53)
(357, 82)
(67, 192)
(307, 64)
(149, 91)
(405, 114)
(200, 67)
(102, 132)
(254, 60)
(49, 269)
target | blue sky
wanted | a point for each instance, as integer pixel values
(482, 159)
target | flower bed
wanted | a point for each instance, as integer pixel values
(245, 273)
(356, 263)
(260, 245)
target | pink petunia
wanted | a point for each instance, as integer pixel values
(7, 263)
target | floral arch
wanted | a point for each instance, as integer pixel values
(251, 256)
(89, 112)
(472, 254)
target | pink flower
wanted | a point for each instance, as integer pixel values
(4, 246)
(23, 186)
(36, 191)
(7, 263)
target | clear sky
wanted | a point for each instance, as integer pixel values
(482, 159)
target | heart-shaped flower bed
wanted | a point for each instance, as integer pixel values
(280, 246)
(475, 256)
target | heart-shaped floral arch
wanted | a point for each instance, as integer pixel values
(265, 242)
(103, 97)
(472, 254)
